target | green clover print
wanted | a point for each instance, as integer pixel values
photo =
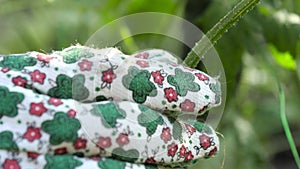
(6, 141)
(68, 88)
(138, 81)
(74, 54)
(201, 127)
(149, 119)
(9, 102)
(130, 155)
(151, 167)
(61, 162)
(61, 128)
(17, 62)
(183, 82)
(216, 88)
(177, 128)
(177, 131)
(109, 113)
(110, 163)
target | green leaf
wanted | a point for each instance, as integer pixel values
(281, 29)
(177, 131)
(298, 58)
(284, 59)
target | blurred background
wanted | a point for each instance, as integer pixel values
(253, 133)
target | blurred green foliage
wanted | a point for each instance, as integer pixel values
(253, 134)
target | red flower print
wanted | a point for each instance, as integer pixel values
(189, 69)
(158, 78)
(142, 63)
(37, 109)
(85, 65)
(11, 164)
(182, 151)
(19, 81)
(80, 143)
(188, 156)
(170, 94)
(187, 106)
(205, 141)
(60, 151)
(202, 76)
(213, 152)
(71, 113)
(104, 142)
(32, 134)
(172, 148)
(122, 139)
(5, 69)
(108, 76)
(150, 160)
(55, 101)
(166, 134)
(173, 64)
(203, 109)
(32, 155)
(37, 76)
(44, 58)
(143, 55)
(190, 129)
(95, 158)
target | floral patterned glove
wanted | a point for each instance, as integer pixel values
(99, 108)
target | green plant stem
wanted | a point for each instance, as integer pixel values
(286, 127)
(130, 44)
(215, 33)
(282, 112)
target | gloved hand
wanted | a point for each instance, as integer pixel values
(99, 108)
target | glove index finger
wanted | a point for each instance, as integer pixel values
(156, 81)
(151, 77)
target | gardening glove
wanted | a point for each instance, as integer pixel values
(84, 107)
